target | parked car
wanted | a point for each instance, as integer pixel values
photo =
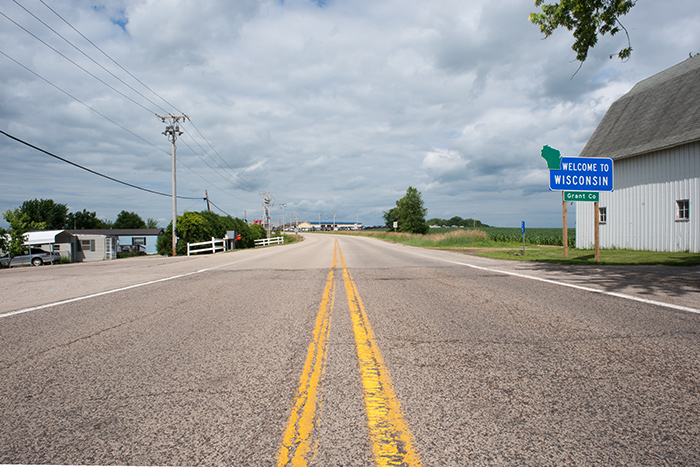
(33, 256)
(138, 249)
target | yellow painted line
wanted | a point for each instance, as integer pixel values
(298, 447)
(391, 438)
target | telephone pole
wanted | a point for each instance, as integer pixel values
(172, 131)
(267, 205)
(283, 205)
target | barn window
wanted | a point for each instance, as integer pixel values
(683, 209)
(603, 214)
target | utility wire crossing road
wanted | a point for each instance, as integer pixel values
(343, 350)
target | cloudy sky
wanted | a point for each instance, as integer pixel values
(333, 106)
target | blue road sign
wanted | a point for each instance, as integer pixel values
(522, 228)
(582, 174)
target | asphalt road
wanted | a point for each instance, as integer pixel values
(348, 351)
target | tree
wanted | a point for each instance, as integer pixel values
(391, 216)
(411, 213)
(84, 220)
(46, 211)
(587, 19)
(129, 220)
(13, 239)
(194, 227)
(151, 223)
(456, 220)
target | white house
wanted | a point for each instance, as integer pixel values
(652, 133)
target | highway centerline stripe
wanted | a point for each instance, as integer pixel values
(391, 438)
(297, 442)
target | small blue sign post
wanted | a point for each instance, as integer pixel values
(522, 230)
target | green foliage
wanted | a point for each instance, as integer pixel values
(84, 220)
(12, 240)
(129, 220)
(151, 223)
(194, 227)
(587, 19)
(409, 213)
(51, 214)
(412, 213)
(533, 236)
(391, 216)
(257, 232)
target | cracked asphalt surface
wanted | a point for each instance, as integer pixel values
(200, 365)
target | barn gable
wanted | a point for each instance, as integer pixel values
(653, 135)
(658, 113)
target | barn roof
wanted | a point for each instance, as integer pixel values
(660, 112)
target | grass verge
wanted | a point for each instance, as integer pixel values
(478, 243)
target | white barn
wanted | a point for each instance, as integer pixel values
(653, 135)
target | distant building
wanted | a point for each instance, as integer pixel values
(652, 133)
(327, 225)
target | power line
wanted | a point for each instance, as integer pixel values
(107, 118)
(92, 171)
(87, 56)
(83, 103)
(217, 207)
(110, 58)
(74, 63)
(245, 184)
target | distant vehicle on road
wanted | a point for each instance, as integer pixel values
(33, 256)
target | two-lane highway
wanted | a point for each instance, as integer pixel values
(348, 351)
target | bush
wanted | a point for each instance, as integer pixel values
(195, 227)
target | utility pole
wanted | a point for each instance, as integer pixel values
(206, 193)
(334, 220)
(172, 131)
(283, 205)
(267, 205)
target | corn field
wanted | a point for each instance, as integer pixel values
(533, 236)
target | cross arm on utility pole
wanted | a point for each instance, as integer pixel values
(172, 131)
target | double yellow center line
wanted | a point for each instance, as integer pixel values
(389, 432)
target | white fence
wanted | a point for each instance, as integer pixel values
(216, 244)
(269, 241)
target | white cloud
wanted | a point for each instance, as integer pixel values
(339, 107)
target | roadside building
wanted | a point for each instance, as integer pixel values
(652, 133)
(101, 244)
(93, 245)
(59, 241)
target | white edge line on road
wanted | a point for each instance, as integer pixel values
(121, 289)
(565, 284)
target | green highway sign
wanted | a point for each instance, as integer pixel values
(581, 196)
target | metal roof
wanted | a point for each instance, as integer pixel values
(117, 232)
(658, 113)
(42, 237)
